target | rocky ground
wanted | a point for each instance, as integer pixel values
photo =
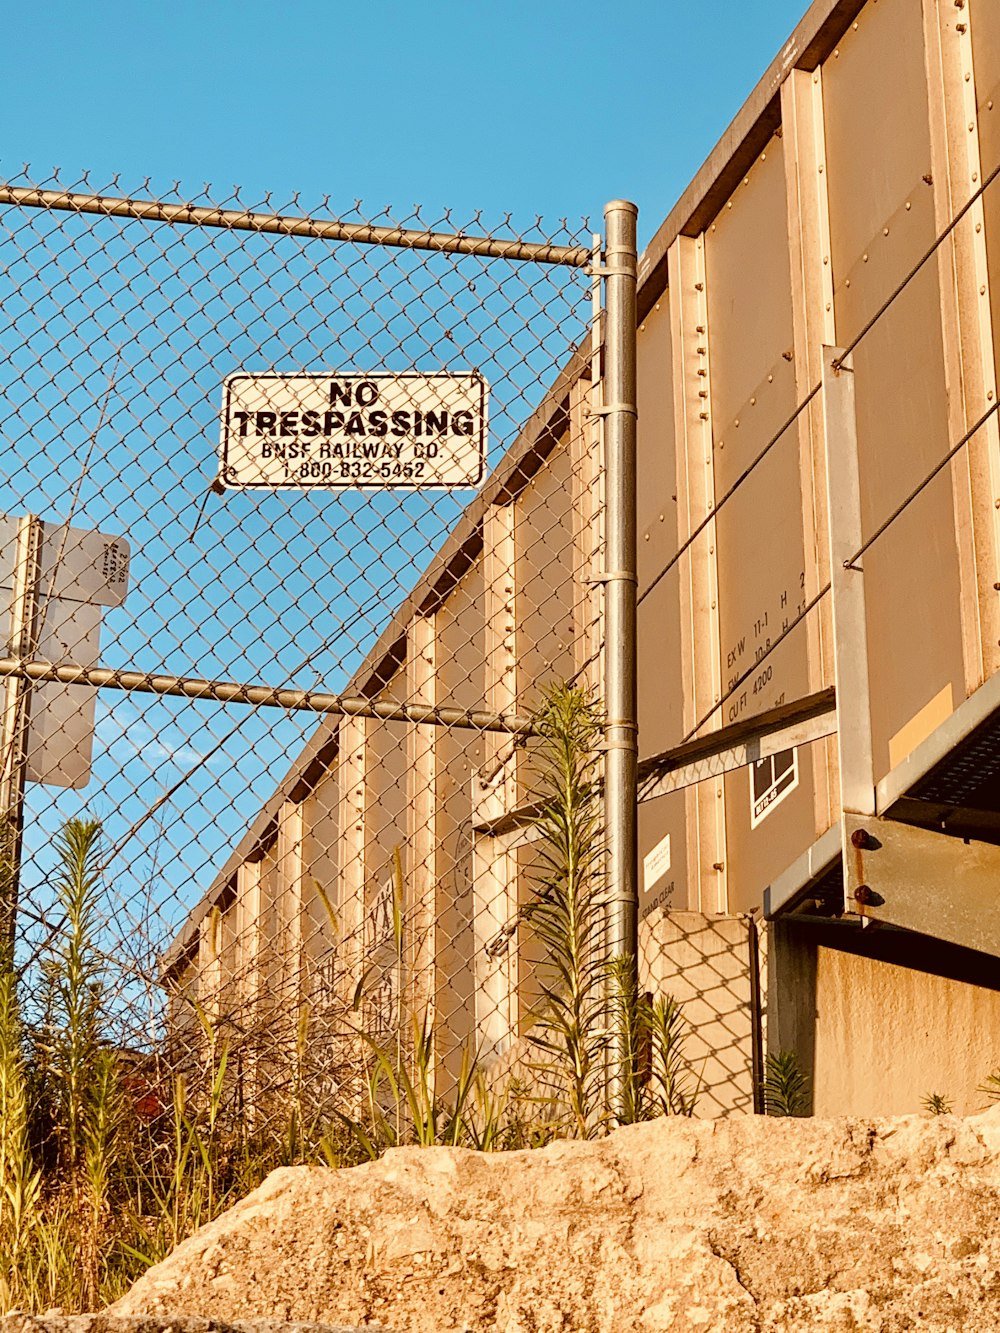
(737, 1225)
(104, 1323)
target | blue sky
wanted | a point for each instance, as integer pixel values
(548, 108)
(117, 344)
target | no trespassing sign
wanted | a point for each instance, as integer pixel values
(373, 432)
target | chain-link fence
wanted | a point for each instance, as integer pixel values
(299, 520)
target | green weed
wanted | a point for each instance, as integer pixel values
(786, 1087)
(936, 1103)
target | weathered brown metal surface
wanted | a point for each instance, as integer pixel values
(760, 552)
(833, 213)
(384, 891)
(270, 957)
(322, 827)
(882, 219)
(544, 576)
(461, 673)
(319, 819)
(387, 796)
(530, 951)
(760, 532)
(660, 702)
(924, 881)
(984, 16)
(661, 720)
(822, 197)
(756, 121)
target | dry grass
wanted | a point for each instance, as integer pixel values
(109, 1158)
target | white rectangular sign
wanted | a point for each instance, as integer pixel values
(366, 432)
(75, 564)
(80, 573)
(61, 717)
(656, 863)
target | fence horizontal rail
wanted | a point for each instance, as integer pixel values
(320, 229)
(264, 696)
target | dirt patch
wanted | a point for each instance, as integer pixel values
(746, 1224)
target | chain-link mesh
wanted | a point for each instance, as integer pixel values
(276, 869)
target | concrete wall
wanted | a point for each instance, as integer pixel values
(879, 1023)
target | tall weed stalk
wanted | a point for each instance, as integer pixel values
(20, 1181)
(674, 1087)
(657, 1077)
(572, 1022)
(631, 1013)
(72, 1038)
(92, 1191)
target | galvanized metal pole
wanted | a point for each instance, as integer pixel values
(16, 693)
(756, 1017)
(621, 729)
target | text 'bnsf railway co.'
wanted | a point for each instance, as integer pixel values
(374, 431)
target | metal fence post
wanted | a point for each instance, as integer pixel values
(621, 734)
(16, 696)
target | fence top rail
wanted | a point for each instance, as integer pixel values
(265, 696)
(321, 229)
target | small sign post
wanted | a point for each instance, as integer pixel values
(375, 431)
(55, 582)
(69, 577)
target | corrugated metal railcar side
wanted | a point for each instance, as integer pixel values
(860, 174)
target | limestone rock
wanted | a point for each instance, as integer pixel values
(55, 1322)
(746, 1224)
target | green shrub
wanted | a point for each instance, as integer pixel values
(786, 1087)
